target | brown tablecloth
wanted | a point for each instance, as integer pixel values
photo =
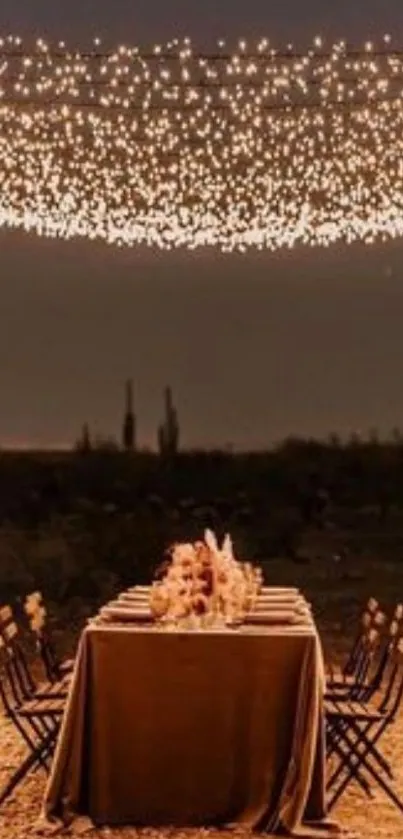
(193, 728)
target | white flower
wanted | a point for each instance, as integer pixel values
(33, 603)
(38, 620)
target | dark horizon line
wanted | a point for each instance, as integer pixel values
(103, 444)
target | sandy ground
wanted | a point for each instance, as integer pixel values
(358, 816)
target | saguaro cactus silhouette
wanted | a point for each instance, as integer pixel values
(129, 422)
(84, 443)
(168, 431)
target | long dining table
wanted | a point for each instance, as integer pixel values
(215, 727)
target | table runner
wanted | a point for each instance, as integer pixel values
(193, 728)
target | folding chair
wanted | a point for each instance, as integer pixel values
(55, 668)
(357, 661)
(374, 658)
(363, 691)
(37, 720)
(355, 727)
(18, 666)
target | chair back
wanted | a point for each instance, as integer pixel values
(370, 641)
(11, 694)
(36, 613)
(358, 651)
(393, 692)
(15, 664)
(380, 655)
(49, 658)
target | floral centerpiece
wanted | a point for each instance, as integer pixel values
(205, 585)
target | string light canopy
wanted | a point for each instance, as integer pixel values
(245, 147)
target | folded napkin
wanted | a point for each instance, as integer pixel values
(134, 597)
(114, 612)
(279, 598)
(128, 604)
(282, 608)
(283, 616)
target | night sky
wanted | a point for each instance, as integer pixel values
(255, 347)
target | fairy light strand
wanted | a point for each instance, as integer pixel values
(177, 148)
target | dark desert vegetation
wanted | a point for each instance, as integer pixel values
(81, 526)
